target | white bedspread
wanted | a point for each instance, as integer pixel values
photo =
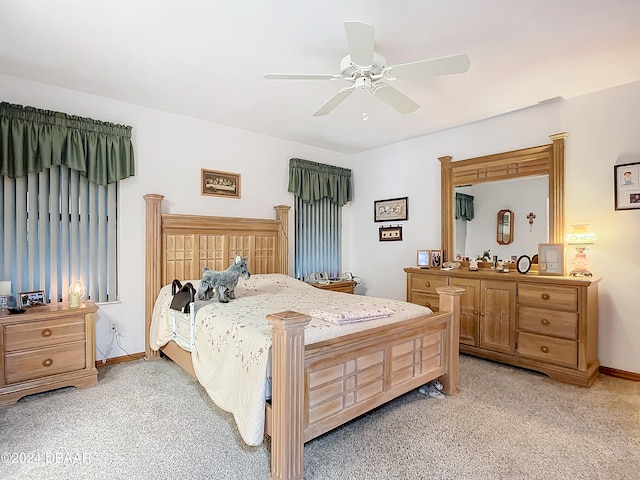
(232, 340)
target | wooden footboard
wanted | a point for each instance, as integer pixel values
(317, 387)
(323, 385)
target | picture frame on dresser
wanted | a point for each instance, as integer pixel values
(33, 298)
(551, 259)
(424, 258)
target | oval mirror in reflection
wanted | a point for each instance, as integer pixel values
(505, 227)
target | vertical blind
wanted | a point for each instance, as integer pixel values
(317, 233)
(58, 228)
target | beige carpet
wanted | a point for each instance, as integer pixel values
(148, 420)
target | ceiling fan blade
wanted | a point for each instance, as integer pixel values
(334, 101)
(435, 66)
(394, 98)
(301, 76)
(360, 38)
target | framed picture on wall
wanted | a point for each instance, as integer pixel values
(627, 186)
(220, 184)
(391, 210)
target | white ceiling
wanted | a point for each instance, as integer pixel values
(205, 58)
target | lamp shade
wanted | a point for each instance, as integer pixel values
(580, 235)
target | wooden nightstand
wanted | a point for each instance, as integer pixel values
(45, 348)
(346, 286)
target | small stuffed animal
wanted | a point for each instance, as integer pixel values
(223, 283)
(432, 389)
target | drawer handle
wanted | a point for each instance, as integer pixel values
(544, 349)
(427, 304)
(427, 284)
(545, 296)
(545, 322)
(47, 363)
(46, 333)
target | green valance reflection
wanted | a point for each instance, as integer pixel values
(464, 206)
(32, 140)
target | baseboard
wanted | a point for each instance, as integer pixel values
(124, 358)
(614, 372)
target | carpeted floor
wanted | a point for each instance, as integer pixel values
(151, 420)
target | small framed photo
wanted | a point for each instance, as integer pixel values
(391, 210)
(31, 299)
(390, 234)
(220, 184)
(424, 258)
(551, 259)
(436, 258)
(627, 186)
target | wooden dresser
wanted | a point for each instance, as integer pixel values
(46, 347)
(346, 286)
(543, 323)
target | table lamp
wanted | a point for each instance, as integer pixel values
(76, 294)
(580, 239)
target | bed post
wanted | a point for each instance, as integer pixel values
(450, 302)
(288, 408)
(282, 215)
(152, 265)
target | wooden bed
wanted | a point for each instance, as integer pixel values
(315, 387)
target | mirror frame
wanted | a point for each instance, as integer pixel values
(500, 221)
(546, 159)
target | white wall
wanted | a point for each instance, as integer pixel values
(170, 151)
(602, 131)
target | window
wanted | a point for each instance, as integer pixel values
(59, 228)
(59, 178)
(320, 192)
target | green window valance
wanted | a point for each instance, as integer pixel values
(32, 140)
(313, 181)
(464, 206)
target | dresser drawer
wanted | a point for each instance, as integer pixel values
(426, 300)
(548, 322)
(427, 283)
(548, 349)
(544, 296)
(43, 333)
(42, 362)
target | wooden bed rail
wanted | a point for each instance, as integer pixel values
(290, 384)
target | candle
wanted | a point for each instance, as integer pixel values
(5, 287)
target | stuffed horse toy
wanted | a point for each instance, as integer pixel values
(223, 283)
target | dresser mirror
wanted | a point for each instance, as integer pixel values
(544, 162)
(505, 227)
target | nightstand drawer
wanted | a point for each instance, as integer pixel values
(43, 333)
(42, 362)
(424, 283)
(543, 296)
(548, 349)
(548, 322)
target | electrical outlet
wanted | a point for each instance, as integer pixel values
(113, 326)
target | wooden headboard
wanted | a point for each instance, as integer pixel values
(179, 246)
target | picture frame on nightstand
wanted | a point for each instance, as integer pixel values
(34, 298)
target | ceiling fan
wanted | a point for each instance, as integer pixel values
(367, 69)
